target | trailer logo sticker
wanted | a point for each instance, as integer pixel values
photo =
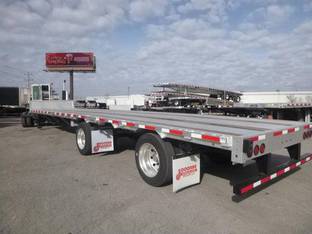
(102, 145)
(186, 171)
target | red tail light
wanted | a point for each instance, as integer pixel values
(256, 150)
(262, 148)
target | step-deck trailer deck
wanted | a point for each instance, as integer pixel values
(163, 138)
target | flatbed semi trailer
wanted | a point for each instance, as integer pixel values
(169, 145)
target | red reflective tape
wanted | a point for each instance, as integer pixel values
(211, 138)
(292, 166)
(102, 119)
(280, 172)
(266, 179)
(254, 138)
(115, 122)
(176, 132)
(149, 127)
(307, 126)
(290, 130)
(246, 189)
(83, 117)
(278, 133)
(129, 124)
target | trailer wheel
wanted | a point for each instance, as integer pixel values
(153, 158)
(83, 138)
(29, 121)
(23, 121)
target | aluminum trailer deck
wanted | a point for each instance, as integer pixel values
(247, 139)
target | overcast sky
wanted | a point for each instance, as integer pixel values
(247, 45)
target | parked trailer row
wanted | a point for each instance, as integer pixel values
(13, 100)
(169, 145)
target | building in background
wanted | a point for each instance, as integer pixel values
(278, 97)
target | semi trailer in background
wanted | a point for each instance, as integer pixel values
(13, 100)
(284, 105)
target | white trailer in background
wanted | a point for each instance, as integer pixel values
(123, 102)
(169, 145)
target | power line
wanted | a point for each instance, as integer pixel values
(17, 69)
(29, 77)
(12, 74)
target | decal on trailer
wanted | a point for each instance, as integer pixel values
(102, 141)
(185, 172)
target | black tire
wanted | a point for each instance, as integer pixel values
(165, 152)
(29, 121)
(86, 128)
(23, 121)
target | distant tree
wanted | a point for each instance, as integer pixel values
(292, 99)
(308, 99)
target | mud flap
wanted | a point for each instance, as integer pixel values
(102, 140)
(185, 171)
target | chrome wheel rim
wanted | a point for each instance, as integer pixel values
(149, 160)
(81, 139)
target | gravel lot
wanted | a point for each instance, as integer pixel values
(46, 186)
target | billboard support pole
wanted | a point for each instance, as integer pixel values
(71, 85)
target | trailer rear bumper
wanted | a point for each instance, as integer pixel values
(245, 187)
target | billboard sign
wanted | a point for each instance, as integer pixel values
(76, 61)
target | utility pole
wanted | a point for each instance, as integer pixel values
(29, 79)
(71, 85)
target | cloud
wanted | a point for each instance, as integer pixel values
(277, 14)
(271, 15)
(212, 10)
(141, 10)
(307, 7)
(243, 45)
